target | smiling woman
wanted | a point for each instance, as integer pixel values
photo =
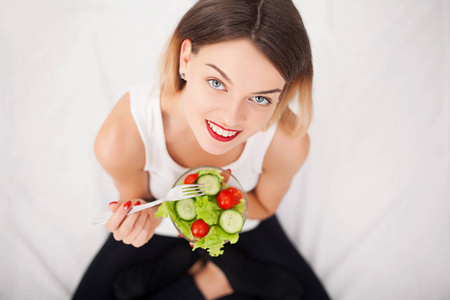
(275, 29)
(229, 74)
(224, 92)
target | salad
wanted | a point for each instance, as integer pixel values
(211, 220)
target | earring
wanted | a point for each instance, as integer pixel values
(182, 76)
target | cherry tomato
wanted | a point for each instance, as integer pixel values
(199, 228)
(226, 199)
(237, 195)
(191, 178)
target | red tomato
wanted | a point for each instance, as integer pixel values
(191, 178)
(226, 199)
(237, 195)
(199, 228)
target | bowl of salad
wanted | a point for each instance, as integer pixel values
(211, 220)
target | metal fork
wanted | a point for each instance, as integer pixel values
(179, 192)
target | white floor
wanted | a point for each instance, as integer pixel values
(370, 209)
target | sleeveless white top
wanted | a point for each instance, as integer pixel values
(164, 171)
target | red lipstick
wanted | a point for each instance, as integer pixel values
(219, 137)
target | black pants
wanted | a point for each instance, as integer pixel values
(267, 244)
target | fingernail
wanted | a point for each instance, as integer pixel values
(114, 202)
(191, 244)
(179, 235)
(137, 203)
(229, 171)
(127, 205)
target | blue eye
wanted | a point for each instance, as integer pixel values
(216, 84)
(261, 100)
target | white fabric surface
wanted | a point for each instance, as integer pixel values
(370, 209)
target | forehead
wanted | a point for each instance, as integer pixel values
(241, 61)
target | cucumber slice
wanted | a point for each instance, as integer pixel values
(185, 209)
(211, 184)
(231, 221)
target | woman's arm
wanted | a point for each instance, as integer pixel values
(283, 160)
(120, 150)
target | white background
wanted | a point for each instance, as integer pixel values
(370, 209)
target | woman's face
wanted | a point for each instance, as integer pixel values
(231, 92)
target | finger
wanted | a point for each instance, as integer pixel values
(125, 230)
(137, 228)
(226, 175)
(113, 205)
(150, 225)
(145, 234)
(151, 228)
(119, 214)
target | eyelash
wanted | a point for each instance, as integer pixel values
(267, 101)
(215, 80)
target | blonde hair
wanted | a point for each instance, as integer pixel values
(275, 28)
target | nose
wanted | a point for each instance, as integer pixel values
(233, 113)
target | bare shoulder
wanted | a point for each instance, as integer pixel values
(118, 145)
(287, 154)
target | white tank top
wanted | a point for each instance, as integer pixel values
(164, 171)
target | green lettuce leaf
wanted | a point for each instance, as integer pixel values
(163, 210)
(206, 210)
(210, 171)
(167, 209)
(240, 207)
(214, 241)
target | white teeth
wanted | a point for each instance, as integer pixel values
(220, 131)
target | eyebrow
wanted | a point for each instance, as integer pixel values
(269, 91)
(229, 80)
(221, 72)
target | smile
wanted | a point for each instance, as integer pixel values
(219, 133)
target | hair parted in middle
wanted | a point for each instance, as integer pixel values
(275, 28)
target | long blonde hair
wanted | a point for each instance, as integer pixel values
(275, 28)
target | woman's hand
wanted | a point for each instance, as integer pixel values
(135, 229)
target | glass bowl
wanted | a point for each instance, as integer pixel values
(228, 181)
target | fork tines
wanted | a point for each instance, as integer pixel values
(193, 190)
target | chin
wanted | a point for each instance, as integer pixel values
(215, 149)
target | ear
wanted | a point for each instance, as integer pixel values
(185, 55)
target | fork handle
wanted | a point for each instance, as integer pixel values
(104, 217)
(145, 206)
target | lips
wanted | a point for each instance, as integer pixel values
(219, 133)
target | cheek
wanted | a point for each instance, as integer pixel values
(259, 118)
(197, 104)
(201, 98)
